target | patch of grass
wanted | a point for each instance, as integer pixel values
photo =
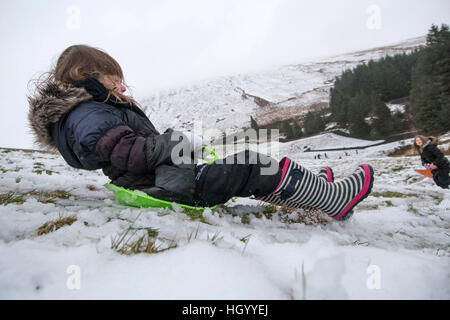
(8, 150)
(359, 243)
(189, 237)
(61, 194)
(257, 214)
(439, 199)
(269, 210)
(389, 203)
(40, 171)
(245, 219)
(130, 242)
(393, 194)
(368, 206)
(214, 238)
(396, 169)
(194, 214)
(42, 196)
(50, 196)
(11, 197)
(17, 169)
(403, 234)
(245, 240)
(412, 209)
(54, 225)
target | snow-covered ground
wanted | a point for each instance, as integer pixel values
(328, 141)
(396, 246)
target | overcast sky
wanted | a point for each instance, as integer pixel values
(162, 44)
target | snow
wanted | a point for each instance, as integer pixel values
(396, 107)
(396, 245)
(328, 141)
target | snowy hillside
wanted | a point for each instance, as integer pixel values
(226, 103)
(57, 223)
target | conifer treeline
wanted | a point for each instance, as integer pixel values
(430, 92)
(358, 98)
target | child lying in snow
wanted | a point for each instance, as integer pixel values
(80, 109)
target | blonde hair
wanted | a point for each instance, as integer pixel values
(79, 62)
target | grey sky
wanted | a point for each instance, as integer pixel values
(160, 44)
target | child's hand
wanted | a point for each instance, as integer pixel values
(430, 166)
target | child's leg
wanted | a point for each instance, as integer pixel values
(441, 177)
(242, 174)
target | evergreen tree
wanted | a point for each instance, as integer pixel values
(430, 92)
(287, 129)
(313, 123)
(357, 92)
(382, 124)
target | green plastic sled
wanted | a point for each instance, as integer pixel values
(140, 199)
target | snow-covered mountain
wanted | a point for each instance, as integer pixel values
(226, 103)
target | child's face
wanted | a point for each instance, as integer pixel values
(419, 142)
(113, 83)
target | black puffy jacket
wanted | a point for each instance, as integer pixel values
(432, 154)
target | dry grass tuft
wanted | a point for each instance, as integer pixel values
(54, 225)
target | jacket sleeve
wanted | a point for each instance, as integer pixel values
(422, 159)
(87, 127)
(136, 154)
(440, 160)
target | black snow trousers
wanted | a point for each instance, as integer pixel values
(242, 174)
(441, 177)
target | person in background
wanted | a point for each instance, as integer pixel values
(433, 159)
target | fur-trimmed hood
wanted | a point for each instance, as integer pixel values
(48, 105)
(430, 140)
